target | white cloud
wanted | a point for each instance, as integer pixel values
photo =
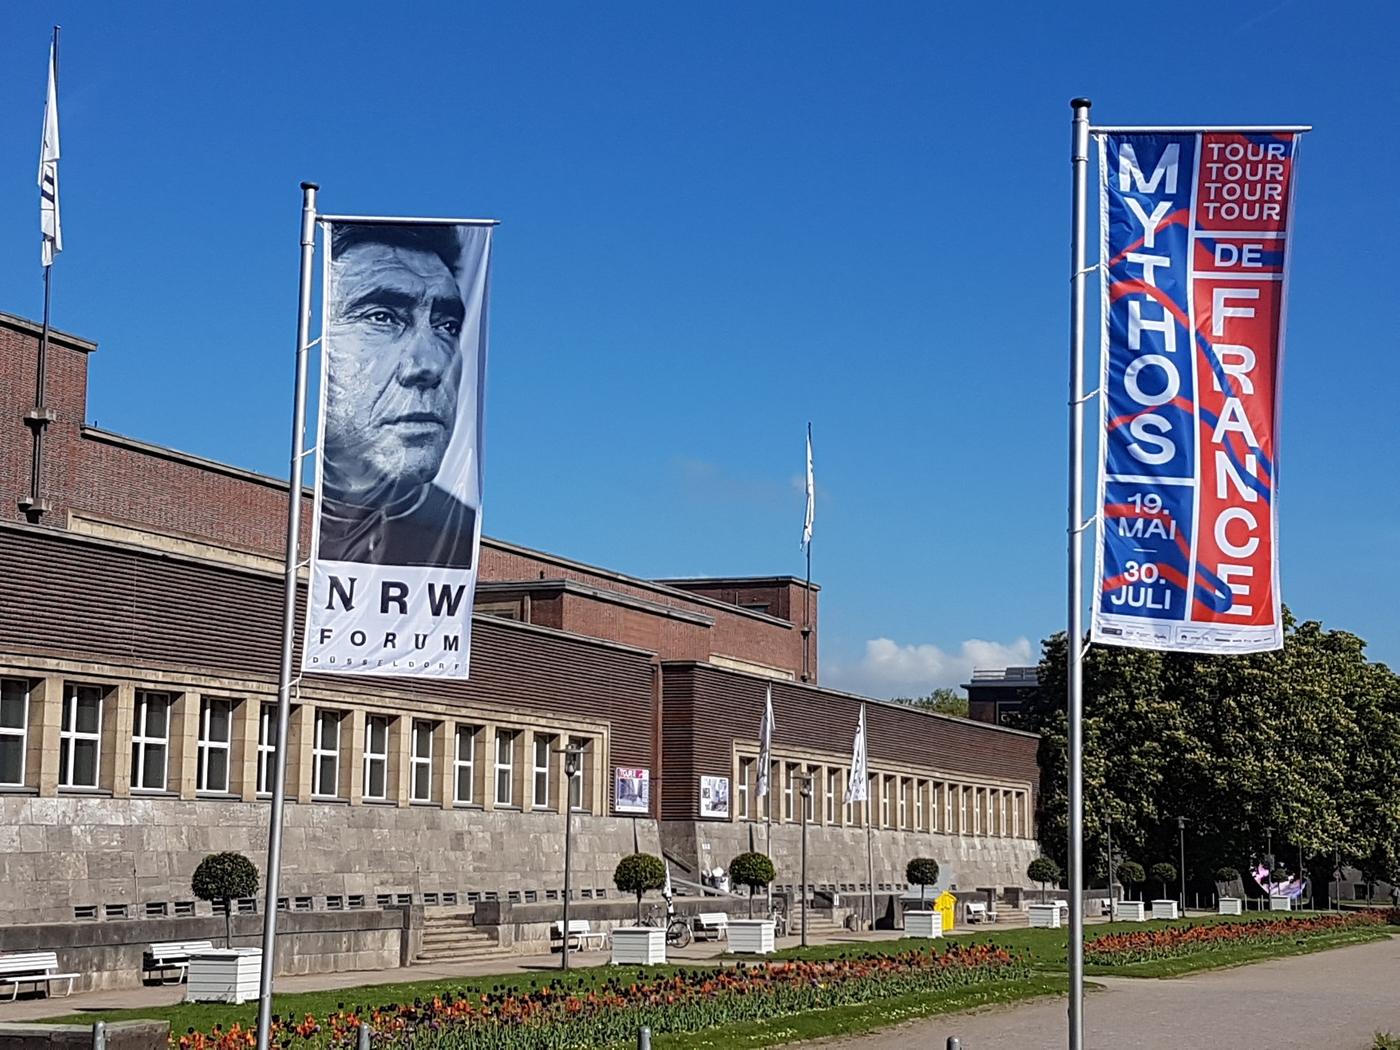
(890, 669)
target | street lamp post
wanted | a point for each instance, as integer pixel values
(806, 779)
(572, 755)
(1181, 834)
(1111, 903)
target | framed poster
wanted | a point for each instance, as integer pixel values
(632, 790)
(714, 797)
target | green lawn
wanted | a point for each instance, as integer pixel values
(1045, 951)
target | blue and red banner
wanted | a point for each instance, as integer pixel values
(1195, 243)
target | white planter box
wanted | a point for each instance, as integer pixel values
(1280, 904)
(923, 924)
(1044, 916)
(224, 975)
(751, 936)
(1130, 911)
(638, 946)
(1231, 906)
(1166, 910)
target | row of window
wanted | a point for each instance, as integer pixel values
(896, 801)
(85, 715)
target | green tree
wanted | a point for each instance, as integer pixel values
(1164, 873)
(1043, 870)
(225, 877)
(637, 873)
(921, 872)
(943, 700)
(753, 870)
(1130, 873)
(1304, 740)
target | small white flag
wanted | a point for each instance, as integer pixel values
(811, 496)
(765, 744)
(856, 786)
(48, 168)
(666, 889)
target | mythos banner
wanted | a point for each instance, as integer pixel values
(1196, 229)
(398, 478)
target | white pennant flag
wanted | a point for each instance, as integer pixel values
(811, 496)
(765, 744)
(666, 890)
(48, 169)
(856, 786)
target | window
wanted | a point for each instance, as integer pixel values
(903, 802)
(976, 800)
(421, 789)
(885, 802)
(150, 740)
(919, 789)
(539, 797)
(14, 726)
(742, 788)
(832, 777)
(846, 816)
(464, 765)
(1016, 805)
(376, 758)
(948, 822)
(505, 767)
(267, 747)
(789, 792)
(1005, 823)
(215, 737)
(579, 744)
(325, 754)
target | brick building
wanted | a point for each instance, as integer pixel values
(996, 695)
(138, 656)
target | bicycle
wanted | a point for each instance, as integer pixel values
(678, 931)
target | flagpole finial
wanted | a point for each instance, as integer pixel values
(1080, 103)
(311, 185)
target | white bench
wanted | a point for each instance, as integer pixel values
(581, 935)
(34, 968)
(710, 925)
(974, 911)
(172, 955)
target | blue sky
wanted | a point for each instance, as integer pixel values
(719, 222)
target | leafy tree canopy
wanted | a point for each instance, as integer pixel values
(1304, 741)
(943, 700)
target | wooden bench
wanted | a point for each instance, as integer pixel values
(582, 936)
(711, 925)
(172, 955)
(34, 968)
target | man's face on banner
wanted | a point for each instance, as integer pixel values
(395, 330)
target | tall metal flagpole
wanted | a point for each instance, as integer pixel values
(1074, 643)
(289, 608)
(40, 418)
(807, 590)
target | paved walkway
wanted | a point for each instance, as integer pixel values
(1336, 999)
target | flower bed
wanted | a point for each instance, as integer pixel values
(1172, 942)
(556, 1018)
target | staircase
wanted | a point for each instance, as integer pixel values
(820, 924)
(450, 937)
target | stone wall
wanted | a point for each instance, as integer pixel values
(121, 1035)
(58, 854)
(837, 855)
(109, 954)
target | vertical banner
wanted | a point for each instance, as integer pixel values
(1196, 228)
(398, 475)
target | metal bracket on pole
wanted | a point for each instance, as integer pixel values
(1091, 519)
(1088, 397)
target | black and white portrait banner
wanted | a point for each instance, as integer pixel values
(398, 472)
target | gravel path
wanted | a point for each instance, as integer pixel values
(1335, 1000)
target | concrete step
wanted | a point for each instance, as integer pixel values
(444, 940)
(460, 955)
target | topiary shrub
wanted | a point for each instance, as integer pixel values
(1164, 873)
(225, 877)
(1130, 873)
(754, 870)
(922, 872)
(1043, 870)
(637, 873)
(1227, 874)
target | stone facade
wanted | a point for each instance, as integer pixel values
(65, 853)
(836, 856)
